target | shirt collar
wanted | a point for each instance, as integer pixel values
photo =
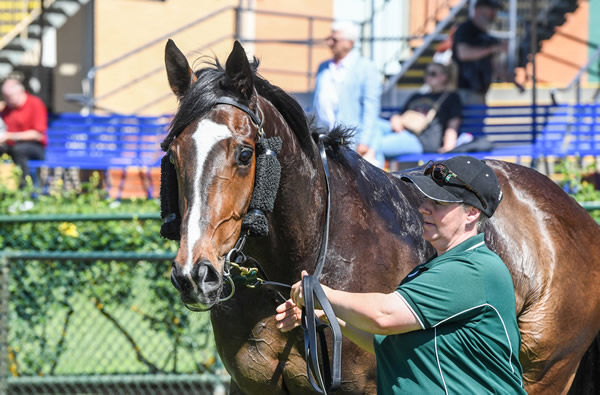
(346, 60)
(469, 244)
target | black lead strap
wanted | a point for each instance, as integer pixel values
(310, 323)
(325, 242)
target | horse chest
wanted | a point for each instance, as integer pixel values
(256, 354)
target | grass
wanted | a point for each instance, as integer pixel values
(93, 344)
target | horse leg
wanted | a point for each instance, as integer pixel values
(587, 380)
(234, 389)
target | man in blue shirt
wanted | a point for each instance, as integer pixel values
(348, 89)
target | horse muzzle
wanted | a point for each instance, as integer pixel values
(200, 289)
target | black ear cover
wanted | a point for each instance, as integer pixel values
(169, 201)
(266, 184)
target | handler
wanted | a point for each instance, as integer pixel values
(450, 326)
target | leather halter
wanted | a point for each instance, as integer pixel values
(311, 286)
(255, 119)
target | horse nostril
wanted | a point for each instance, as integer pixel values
(205, 273)
(174, 276)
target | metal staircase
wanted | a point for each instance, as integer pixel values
(551, 14)
(21, 26)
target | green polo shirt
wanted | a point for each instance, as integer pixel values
(465, 302)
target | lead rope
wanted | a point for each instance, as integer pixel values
(310, 323)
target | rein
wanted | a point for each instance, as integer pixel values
(256, 226)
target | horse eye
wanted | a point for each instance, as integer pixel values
(171, 158)
(245, 155)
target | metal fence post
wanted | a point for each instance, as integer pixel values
(4, 296)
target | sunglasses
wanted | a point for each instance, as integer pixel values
(432, 73)
(441, 173)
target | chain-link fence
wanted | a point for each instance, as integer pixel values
(100, 322)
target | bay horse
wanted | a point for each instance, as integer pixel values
(549, 243)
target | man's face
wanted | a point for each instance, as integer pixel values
(13, 94)
(339, 45)
(484, 16)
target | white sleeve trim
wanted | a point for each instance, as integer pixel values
(410, 308)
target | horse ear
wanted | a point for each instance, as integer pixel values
(239, 72)
(179, 72)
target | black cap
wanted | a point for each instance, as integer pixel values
(490, 3)
(469, 178)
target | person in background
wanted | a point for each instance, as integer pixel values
(478, 54)
(451, 325)
(348, 89)
(441, 133)
(26, 120)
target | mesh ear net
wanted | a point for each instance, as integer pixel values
(169, 201)
(266, 184)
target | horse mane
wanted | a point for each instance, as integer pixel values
(213, 83)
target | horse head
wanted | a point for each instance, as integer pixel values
(209, 169)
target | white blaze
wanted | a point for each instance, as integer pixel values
(205, 137)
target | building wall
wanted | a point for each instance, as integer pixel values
(561, 56)
(121, 26)
(124, 25)
(287, 64)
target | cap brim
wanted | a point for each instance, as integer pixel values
(429, 188)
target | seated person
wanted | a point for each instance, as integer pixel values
(441, 132)
(26, 120)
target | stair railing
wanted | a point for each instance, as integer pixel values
(576, 81)
(21, 27)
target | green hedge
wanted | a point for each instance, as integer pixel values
(82, 317)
